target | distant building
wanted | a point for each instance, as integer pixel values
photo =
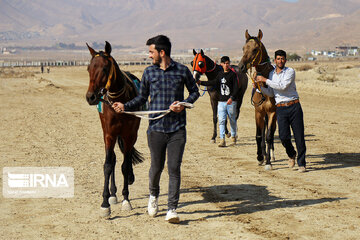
(340, 51)
(347, 51)
(5, 51)
(316, 52)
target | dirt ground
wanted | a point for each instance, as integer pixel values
(46, 121)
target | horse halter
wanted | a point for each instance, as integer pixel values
(105, 92)
(259, 52)
(253, 64)
(112, 70)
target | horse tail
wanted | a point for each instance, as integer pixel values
(135, 156)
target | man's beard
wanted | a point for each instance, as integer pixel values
(281, 67)
(157, 61)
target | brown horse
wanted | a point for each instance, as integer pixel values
(255, 55)
(202, 64)
(109, 84)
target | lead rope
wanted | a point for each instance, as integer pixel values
(142, 114)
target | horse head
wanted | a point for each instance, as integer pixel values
(254, 52)
(101, 70)
(201, 64)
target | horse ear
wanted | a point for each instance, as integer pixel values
(201, 52)
(194, 52)
(92, 51)
(247, 35)
(260, 35)
(107, 48)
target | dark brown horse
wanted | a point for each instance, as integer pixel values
(255, 55)
(202, 64)
(109, 84)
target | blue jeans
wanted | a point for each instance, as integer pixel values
(225, 110)
(292, 116)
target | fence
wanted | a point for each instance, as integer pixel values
(44, 63)
(71, 63)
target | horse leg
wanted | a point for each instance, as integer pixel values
(214, 104)
(129, 178)
(113, 189)
(259, 119)
(227, 133)
(268, 144)
(271, 132)
(126, 146)
(108, 170)
(238, 105)
(271, 127)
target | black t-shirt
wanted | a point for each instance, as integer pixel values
(226, 83)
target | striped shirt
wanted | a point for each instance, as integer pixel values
(164, 87)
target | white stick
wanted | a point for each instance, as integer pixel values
(142, 114)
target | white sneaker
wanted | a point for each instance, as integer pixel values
(172, 216)
(153, 206)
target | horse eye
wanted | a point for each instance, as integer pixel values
(192, 63)
(201, 64)
(106, 69)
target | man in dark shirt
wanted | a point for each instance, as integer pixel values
(227, 85)
(164, 82)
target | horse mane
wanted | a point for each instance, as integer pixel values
(215, 66)
(253, 38)
(129, 87)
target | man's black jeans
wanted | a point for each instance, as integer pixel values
(292, 116)
(174, 144)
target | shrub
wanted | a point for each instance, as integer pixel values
(304, 67)
(293, 57)
(328, 78)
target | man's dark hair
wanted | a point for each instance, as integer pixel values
(224, 59)
(281, 53)
(161, 42)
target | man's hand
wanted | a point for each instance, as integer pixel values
(229, 101)
(260, 79)
(176, 108)
(118, 107)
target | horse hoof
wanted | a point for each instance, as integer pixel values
(126, 206)
(113, 200)
(260, 162)
(105, 212)
(212, 141)
(268, 167)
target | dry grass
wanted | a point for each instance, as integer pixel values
(14, 73)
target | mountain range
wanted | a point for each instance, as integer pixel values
(300, 25)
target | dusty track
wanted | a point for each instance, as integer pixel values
(45, 121)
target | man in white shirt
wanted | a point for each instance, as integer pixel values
(281, 85)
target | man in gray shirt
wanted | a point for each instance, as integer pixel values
(281, 85)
